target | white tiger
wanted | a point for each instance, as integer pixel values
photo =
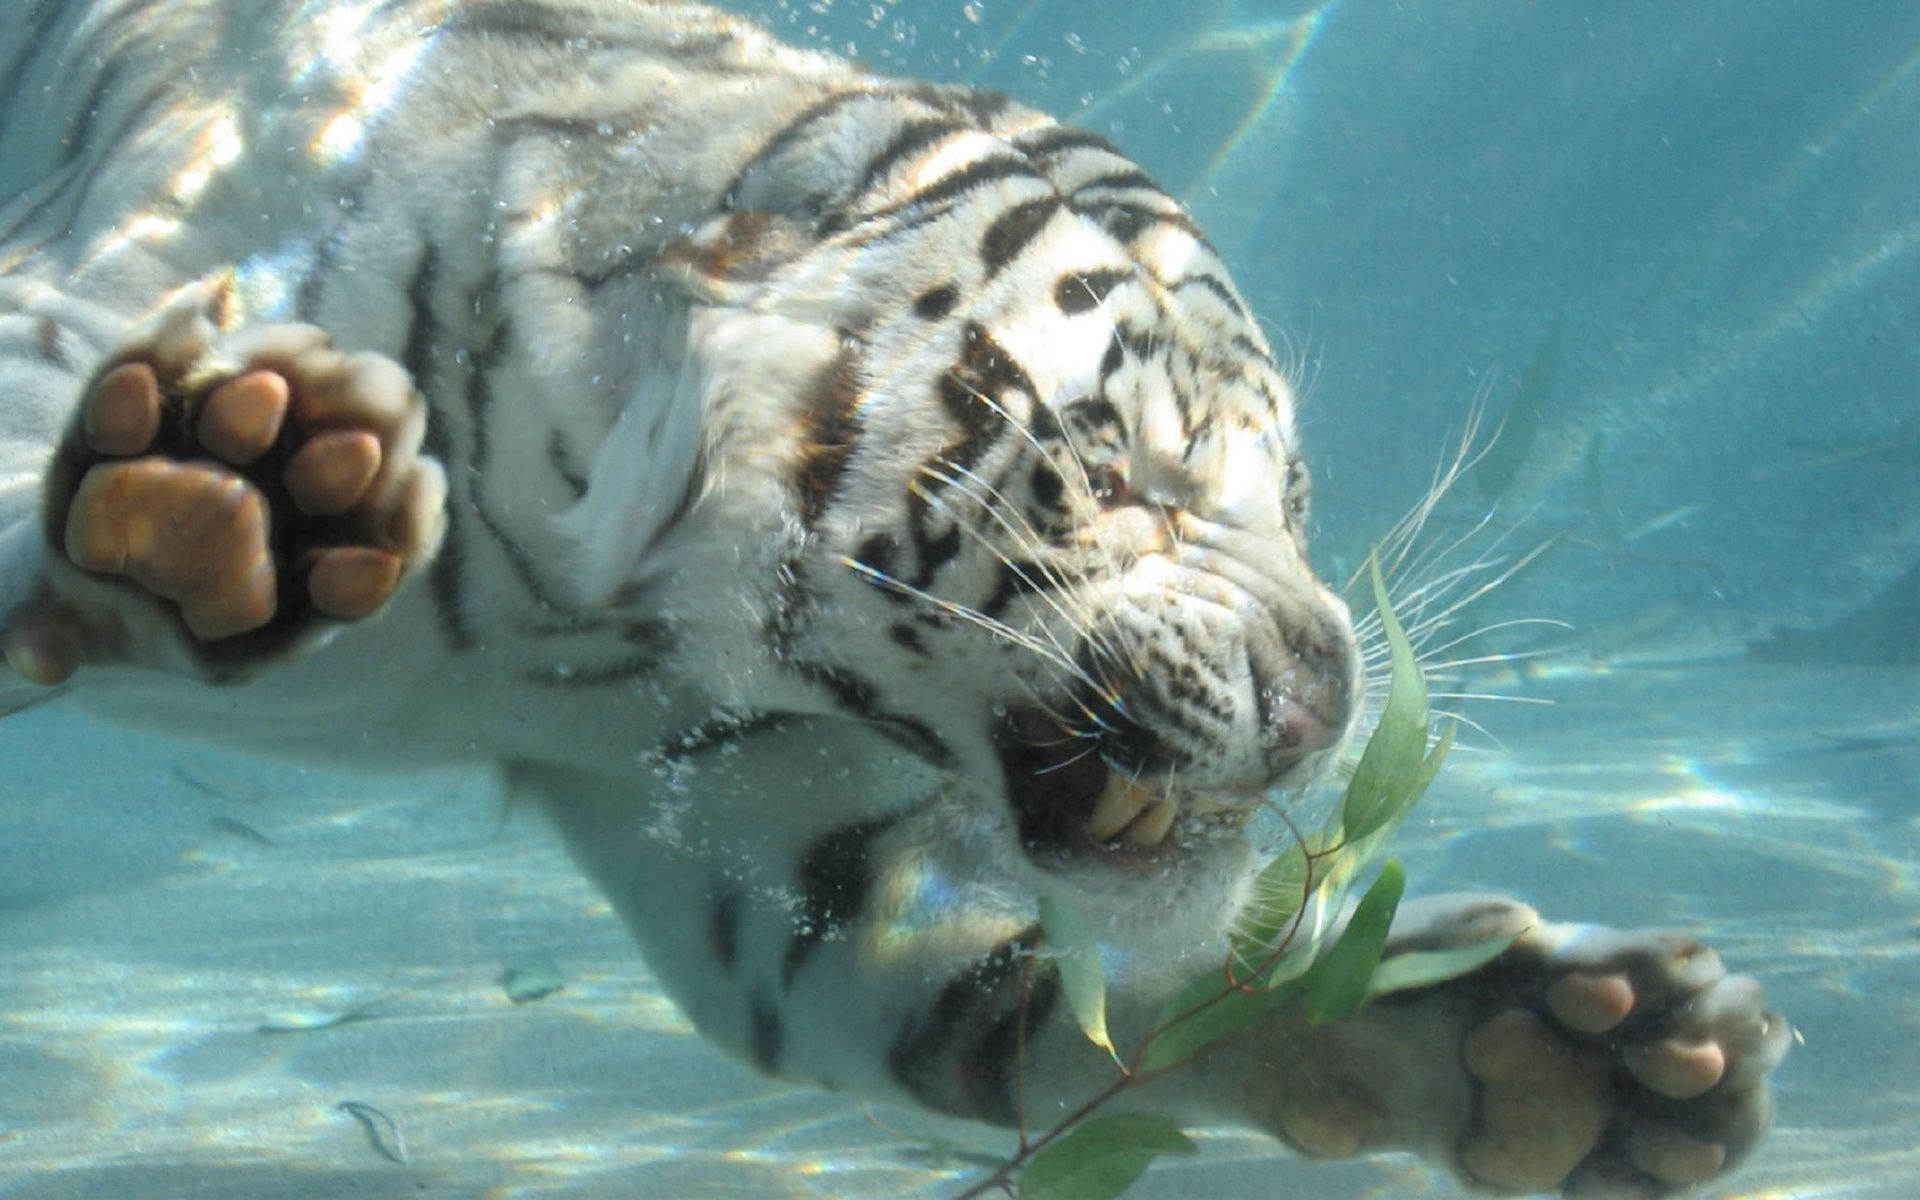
(889, 477)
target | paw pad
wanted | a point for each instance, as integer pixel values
(1625, 1064)
(251, 485)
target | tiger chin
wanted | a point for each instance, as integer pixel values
(851, 508)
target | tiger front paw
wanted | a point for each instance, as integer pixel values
(1582, 1061)
(1617, 1064)
(250, 486)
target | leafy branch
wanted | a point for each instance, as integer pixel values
(1279, 959)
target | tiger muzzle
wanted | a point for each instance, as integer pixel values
(1188, 713)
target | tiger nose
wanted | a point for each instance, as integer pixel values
(1304, 689)
(1296, 702)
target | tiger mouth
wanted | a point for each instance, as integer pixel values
(1069, 802)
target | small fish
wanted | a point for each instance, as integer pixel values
(1895, 736)
(1519, 425)
(1653, 525)
(532, 980)
(240, 829)
(383, 1132)
(311, 1020)
(942, 1155)
(221, 785)
(1600, 506)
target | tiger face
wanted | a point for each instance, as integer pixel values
(1049, 510)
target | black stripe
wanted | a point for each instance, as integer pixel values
(908, 638)
(87, 48)
(77, 138)
(787, 135)
(880, 555)
(912, 138)
(933, 547)
(34, 41)
(1083, 291)
(937, 303)
(1048, 488)
(310, 293)
(1126, 221)
(831, 433)
(13, 708)
(39, 345)
(480, 398)
(1126, 179)
(1252, 349)
(561, 461)
(790, 599)
(1017, 580)
(716, 734)
(1219, 288)
(977, 174)
(723, 927)
(988, 369)
(1013, 231)
(977, 392)
(1139, 343)
(598, 674)
(1056, 140)
(418, 352)
(522, 21)
(691, 490)
(446, 579)
(935, 1061)
(557, 625)
(991, 1076)
(81, 181)
(859, 698)
(768, 1036)
(985, 104)
(559, 127)
(50, 339)
(836, 873)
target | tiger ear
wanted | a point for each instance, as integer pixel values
(728, 260)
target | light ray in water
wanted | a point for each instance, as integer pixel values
(1296, 36)
(1293, 39)
(1814, 155)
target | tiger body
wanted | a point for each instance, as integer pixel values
(639, 490)
(805, 434)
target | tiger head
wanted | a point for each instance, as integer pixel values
(1044, 506)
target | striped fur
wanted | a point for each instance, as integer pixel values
(806, 430)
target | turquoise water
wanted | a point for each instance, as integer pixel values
(1680, 244)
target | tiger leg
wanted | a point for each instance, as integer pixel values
(1586, 1061)
(222, 497)
(1583, 1061)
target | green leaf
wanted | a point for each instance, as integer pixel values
(1229, 1013)
(1278, 892)
(1337, 985)
(1387, 781)
(1082, 976)
(1101, 1159)
(1423, 968)
(1438, 756)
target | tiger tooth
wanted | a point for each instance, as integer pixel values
(1120, 802)
(1150, 828)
